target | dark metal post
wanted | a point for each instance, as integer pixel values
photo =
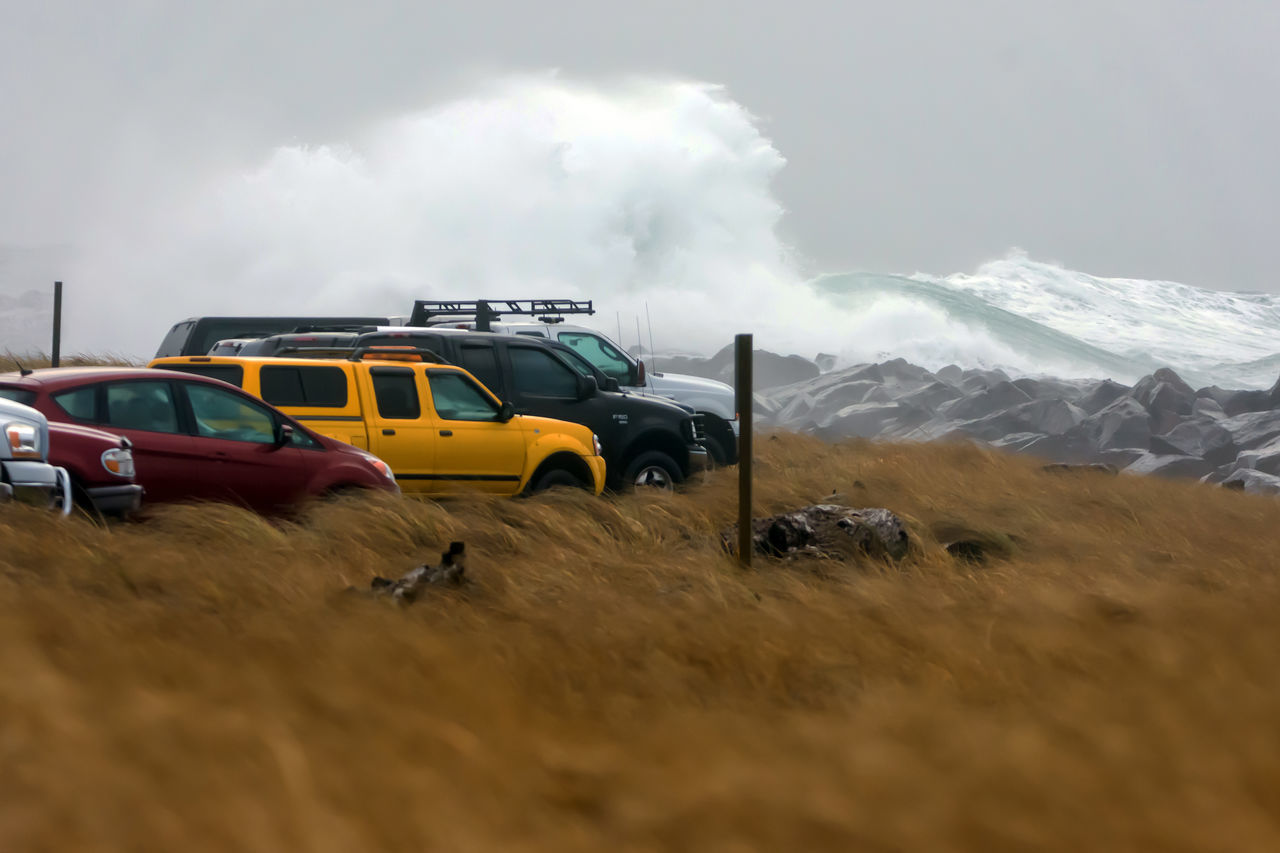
(742, 388)
(56, 356)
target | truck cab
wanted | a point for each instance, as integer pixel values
(714, 401)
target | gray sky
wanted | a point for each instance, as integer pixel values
(1131, 137)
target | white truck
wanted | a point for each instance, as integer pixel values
(713, 400)
(25, 472)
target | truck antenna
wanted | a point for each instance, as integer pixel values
(653, 357)
(640, 341)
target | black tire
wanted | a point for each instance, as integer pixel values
(653, 469)
(719, 456)
(556, 477)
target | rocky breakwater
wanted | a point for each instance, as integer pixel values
(1160, 425)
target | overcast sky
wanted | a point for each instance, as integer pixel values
(1130, 138)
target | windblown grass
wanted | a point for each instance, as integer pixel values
(610, 680)
(12, 361)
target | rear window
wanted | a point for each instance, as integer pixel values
(174, 342)
(232, 373)
(304, 386)
(18, 395)
(80, 403)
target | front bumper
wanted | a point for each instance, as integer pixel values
(115, 500)
(36, 483)
(699, 460)
(597, 466)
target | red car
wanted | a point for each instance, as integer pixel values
(195, 438)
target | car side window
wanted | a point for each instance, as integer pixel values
(599, 352)
(481, 361)
(456, 398)
(535, 371)
(80, 403)
(222, 414)
(303, 386)
(141, 405)
(396, 394)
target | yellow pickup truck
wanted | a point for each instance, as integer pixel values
(439, 429)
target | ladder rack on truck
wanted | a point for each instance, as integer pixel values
(485, 311)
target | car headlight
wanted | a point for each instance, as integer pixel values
(595, 443)
(382, 468)
(24, 441)
(119, 461)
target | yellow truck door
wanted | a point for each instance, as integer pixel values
(474, 450)
(402, 431)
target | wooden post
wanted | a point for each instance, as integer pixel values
(742, 390)
(56, 356)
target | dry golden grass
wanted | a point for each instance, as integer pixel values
(611, 681)
(12, 361)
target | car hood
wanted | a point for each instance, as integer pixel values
(64, 428)
(667, 382)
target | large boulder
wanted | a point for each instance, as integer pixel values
(1123, 423)
(951, 374)
(1162, 465)
(1101, 395)
(1049, 416)
(994, 398)
(902, 372)
(867, 420)
(1208, 407)
(974, 379)
(1252, 429)
(1253, 482)
(1265, 458)
(1202, 437)
(931, 396)
(1074, 446)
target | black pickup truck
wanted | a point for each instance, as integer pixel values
(647, 441)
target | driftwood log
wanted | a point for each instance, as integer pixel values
(826, 530)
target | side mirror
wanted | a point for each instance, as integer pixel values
(506, 412)
(587, 387)
(611, 384)
(284, 435)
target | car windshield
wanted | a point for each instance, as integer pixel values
(599, 352)
(17, 395)
(577, 362)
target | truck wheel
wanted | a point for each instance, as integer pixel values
(654, 468)
(715, 451)
(556, 477)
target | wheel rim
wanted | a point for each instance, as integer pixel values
(654, 476)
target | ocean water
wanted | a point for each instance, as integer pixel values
(1034, 317)
(652, 197)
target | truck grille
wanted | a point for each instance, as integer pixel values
(696, 429)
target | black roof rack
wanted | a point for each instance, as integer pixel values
(487, 310)
(356, 353)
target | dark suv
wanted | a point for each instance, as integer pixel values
(647, 441)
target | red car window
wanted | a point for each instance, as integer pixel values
(140, 405)
(222, 414)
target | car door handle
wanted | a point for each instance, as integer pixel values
(388, 432)
(446, 432)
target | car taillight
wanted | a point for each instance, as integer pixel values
(24, 441)
(119, 461)
(382, 468)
